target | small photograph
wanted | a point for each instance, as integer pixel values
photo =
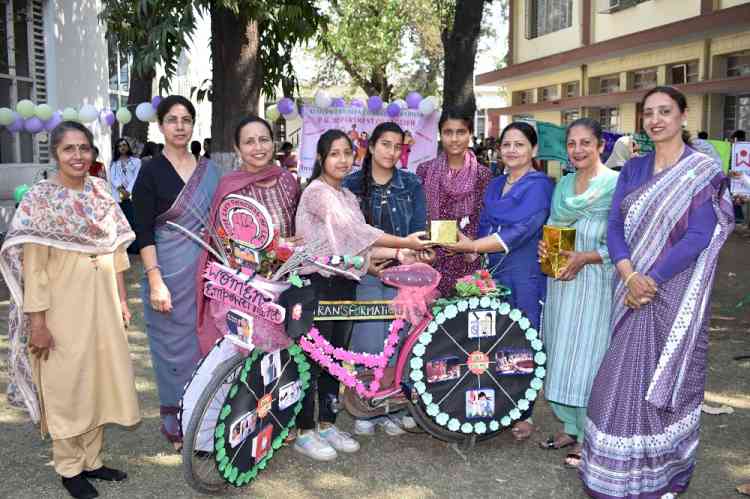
(240, 325)
(244, 255)
(443, 369)
(242, 428)
(514, 362)
(481, 323)
(270, 367)
(262, 442)
(480, 403)
(289, 394)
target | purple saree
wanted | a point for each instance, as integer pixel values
(644, 413)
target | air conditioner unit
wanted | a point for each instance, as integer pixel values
(611, 6)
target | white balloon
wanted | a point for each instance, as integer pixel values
(401, 103)
(427, 106)
(322, 99)
(87, 113)
(145, 111)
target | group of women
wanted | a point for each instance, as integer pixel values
(625, 323)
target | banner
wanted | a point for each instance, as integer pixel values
(551, 142)
(420, 143)
(724, 149)
(741, 164)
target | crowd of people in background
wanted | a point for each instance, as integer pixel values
(627, 362)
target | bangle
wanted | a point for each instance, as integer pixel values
(627, 279)
(150, 269)
(398, 251)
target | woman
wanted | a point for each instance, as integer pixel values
(172, 187)
(576, 312)
(63, 260)
(671, 213)
(624, 149)
(454, 183)
(122, 174)
(406, 149)
(329, 212)
(516, 206)
(391, 200)
(258, 178)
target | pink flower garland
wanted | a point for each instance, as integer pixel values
(321, 351)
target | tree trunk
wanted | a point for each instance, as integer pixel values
(237, 79)
(460, 48)
(141, 87)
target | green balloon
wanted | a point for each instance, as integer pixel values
(123, 115)
(69, 114)
(25, 108)
(6, 116)
(43, 112)
(20, 192)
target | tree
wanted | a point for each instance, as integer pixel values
(251, 45)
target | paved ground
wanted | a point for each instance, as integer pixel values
(412, 466)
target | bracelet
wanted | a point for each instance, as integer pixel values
(398, 251)
(150, 269)
(627, 279)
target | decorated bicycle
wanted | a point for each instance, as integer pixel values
(466, 366)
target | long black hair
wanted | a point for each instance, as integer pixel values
(679, 99)
(367, 180)
(116, 148)
(324, 148)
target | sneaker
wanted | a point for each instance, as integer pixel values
(364, 427)
(339, 440)
(408, 423)
(390, 427)
(311, 445)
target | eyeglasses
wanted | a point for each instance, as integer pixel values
(261, 141)
(174, 120)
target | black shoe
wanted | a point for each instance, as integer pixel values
(78, 487)
(108, 474)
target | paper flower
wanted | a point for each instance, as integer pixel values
(427, 398)
(494, 425)
(524, 323)
(420, 387)
(531, 334)
(540, 372)
(515, 314)
(467, 428)
(433, 409)
(523, 404)
(454, 424)
(514, 414)
(540, 358)
(504, 308)
(442, 419)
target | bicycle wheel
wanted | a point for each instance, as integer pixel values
(259, 411)
(474, 370)
(198, 464)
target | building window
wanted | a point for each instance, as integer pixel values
(608, 117)
(480, 123)
(119, 80)
(522, 97)
(528, 118)
(571, 89)
(22, 72)
(612, 6)
(643, 78)
(547, 16)
(568, 116)
(605, 84)
(548, 93)
(686, 72)
(736, 113)
(738, 64)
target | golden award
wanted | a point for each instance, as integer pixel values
(557, 239)
(443, 231)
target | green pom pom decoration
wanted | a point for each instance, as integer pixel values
(416, 375)
(220, 442)
(304, 376)
(252, 473)
(223, 463)
(494, 425)
(277, 442)
(233, 474)
(480, 428)
(297, 408)
(233, 391)
(442, 419)
(523, 404)
(467, 428)
(484, 302)
(263, 462)
(420, 387)
(427, 398)
(425, 338)
(416, 363)
(524, 323)
(540, 372)
(515, 314)
(358, 262)
(473, 302)
(220, 454)
(530, 394)
(440, 318)
(505, 421)
(514, 414)
(418, 350)
(432, 327)
(451, 311)
(462, 305)
(294, 350)
(454, 424)
(531, 334)
(433, 410)
(536, 345)
(219, 431)
(540, 358)
(536, 384)
(19, 192)
(504, 308)
(226, 410)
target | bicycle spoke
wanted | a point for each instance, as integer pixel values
(453, 340)
(502, 389)
(455, 385)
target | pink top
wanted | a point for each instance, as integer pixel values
(334, 215)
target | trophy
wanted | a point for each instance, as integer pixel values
(442, 231)
(557, 239)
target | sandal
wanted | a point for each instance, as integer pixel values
(572, 460)
(170, 426)
(559, 441)
(522, 431)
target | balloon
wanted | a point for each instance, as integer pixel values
(123, 115)
(374, 103)
(17, 124)
(155, 100)
(55, 120)
(107, 117)
(272, 113)
(19, 192)
(292, 116)
(33, 125)
(401, 103)
(144, 111)
(69, 114)
(43, 112)
(393, 109)
(413, 99)
(286, 106)
(427, 106)
(25, 108)
(87, 113)
(338, 102)
(322, 99)
(356, 103)
(7, 116)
